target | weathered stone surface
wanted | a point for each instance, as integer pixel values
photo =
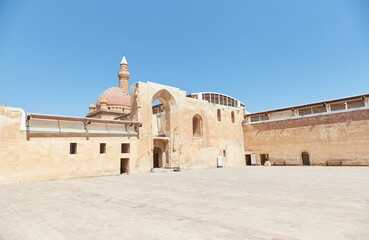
(336, 136)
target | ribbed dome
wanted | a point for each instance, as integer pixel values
(114, 96)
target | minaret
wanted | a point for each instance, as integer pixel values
(124, 75)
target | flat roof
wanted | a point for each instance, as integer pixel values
(365, 95)
(80, 119)
(217, 93)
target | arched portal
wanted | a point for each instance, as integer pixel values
(305, 157)
(163, 104)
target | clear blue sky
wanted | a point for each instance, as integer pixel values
(57, 56)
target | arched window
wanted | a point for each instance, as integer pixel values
(219, 115)
(197, 126)
(232, 116)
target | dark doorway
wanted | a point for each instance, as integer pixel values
(158, 155)
(124, 164)
(263, 158)
(305, 159)
(248, 159)
(156, 160)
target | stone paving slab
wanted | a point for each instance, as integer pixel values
(229, 203)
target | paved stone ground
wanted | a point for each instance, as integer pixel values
(230, 203)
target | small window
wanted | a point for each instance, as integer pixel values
(232, 117)
(102, 148)
(73, 148)
(219, 115)
(224, 153)
(255, 119)
(125, 148)
(338, 106)
(319, 109)
(264, 117)
(305, 111)
(355, 103)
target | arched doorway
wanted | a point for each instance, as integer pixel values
(305, 159)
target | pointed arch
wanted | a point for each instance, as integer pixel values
(166, 98)
(161, 112)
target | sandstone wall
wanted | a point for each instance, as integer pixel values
(23, 160)
(333, 139)
(219, 137)
(184, 150)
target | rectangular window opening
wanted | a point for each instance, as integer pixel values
(305, 111)
(338, 106)
(125, 148)
(264, 117)
(355, 103)
(319, 109)
(102, 148)
(73, 148)
(255, 119)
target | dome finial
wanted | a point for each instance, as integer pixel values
(124, 61)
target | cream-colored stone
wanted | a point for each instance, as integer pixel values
(340, 143)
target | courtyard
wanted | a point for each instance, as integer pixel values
(229, 203)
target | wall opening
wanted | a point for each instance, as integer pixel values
(159, 119)
(305, 159)
(224, 153)
(160, 154)
(161, 124)
(248, 159)
(124, 165)
(232, 117)
(197, 126)
(73, 148)
(158, 158)
(102, 148)
(125, 148)
(264, 158)
(219, 115)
